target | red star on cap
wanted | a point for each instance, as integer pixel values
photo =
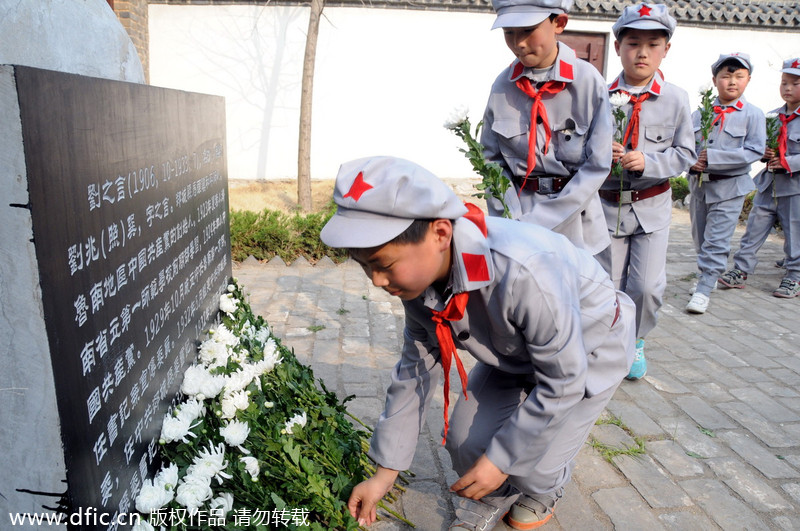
(358, 187)
(796, 63)
(644, 11)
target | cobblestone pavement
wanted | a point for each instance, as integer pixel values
(718, 412)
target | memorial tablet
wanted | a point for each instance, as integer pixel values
(129, 205)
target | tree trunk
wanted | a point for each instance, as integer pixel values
(304, 144)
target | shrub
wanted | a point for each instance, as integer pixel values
(269, 232)
(680, 188)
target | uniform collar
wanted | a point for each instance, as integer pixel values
(563, 69)
(738, 104)
(784, 110)
(653, 87)
(472, 267)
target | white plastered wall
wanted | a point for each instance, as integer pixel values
(385, 80)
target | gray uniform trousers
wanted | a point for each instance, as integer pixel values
(493, 396)
(636, 262)
(713, 225)
(766, 209)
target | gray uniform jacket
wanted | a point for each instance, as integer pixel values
(580, 121)
(785, 183)
(666, 137)
(732, 149)
(538, 306)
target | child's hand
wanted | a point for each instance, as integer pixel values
(769, 153)
(363, 502)
(633, 161)
(482, 478)
(775, 164)
(702, 162)
(617, 150)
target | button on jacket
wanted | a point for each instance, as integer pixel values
(540, 307)
(580, 122)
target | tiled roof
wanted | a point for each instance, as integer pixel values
(768, 16)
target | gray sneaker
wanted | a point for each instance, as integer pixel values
(735, 278)
(476, 515)
(787, 290)
(529, 513)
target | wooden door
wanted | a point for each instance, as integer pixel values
(590, 47)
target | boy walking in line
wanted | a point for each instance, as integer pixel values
(777, 196)
(658, 143)
(721, 177)
(548, 125)
(552, 338)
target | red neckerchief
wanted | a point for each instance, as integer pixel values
(454, 311)
(720, 115)
(783, 133)
(632, 130)
(538, 109)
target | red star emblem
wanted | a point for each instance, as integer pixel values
(644, 11)
(358, 187)
(796, 63)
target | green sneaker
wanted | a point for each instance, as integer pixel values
(639, 367)
(788, 289)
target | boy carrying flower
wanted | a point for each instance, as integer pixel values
(778, 193)
(552, 338)
(656, 142)
(721, 177)
(547, 125)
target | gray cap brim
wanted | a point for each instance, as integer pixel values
(357, 229)
(642, 25)
(519, 19)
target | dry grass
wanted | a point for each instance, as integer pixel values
(280, 195)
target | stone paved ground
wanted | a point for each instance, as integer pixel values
(719, 410)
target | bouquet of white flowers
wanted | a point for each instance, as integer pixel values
(493, 183)
(257, 442)
(617, 100)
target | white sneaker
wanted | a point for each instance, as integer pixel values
(698, 303)
(694, 288)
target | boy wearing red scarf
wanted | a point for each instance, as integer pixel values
(552, 338)
(721, 177)
(657, 143)
(778, 195)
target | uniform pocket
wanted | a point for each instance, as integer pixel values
(793, 144)
(513, 140)
(569, 138)
(730, 138)
(657, 138)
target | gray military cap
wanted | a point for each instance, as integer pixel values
(645, 17)
(526, 13)
(378, 198)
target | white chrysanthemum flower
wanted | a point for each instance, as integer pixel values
(268, 363)
(251, 466)
(231, 288)
(235, 432)
(193, 492)
(239, 380)
(152, 497)
(233, 402)
(210, 463)
(262, 335)
(198, 382)
(213, 353)
(192, 409)
(223, 502)
(298, 420)
(771, 115)
(221, 334)
(619, 98)
(457, 117)
(176, 429)
(705, 87)
(228, 303)
(167, 478)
